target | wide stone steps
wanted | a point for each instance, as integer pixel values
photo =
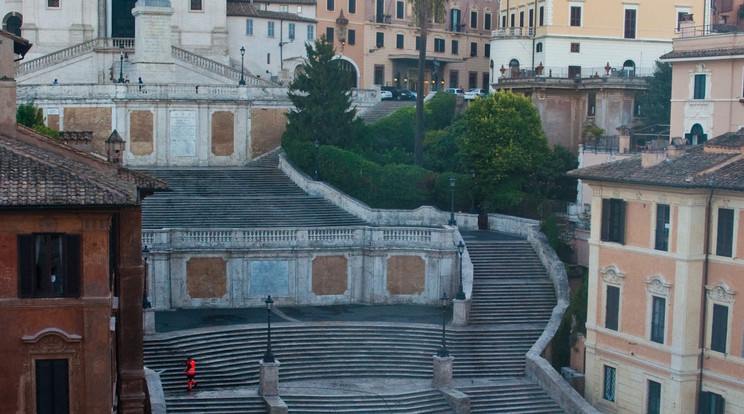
(428, 401)
(513, 397)
(186, 403)
(230, 358)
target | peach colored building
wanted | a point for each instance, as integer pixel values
(664, 326)
(378, 39)
(707, 88)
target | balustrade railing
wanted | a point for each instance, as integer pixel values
(326, 237)
(218, 68)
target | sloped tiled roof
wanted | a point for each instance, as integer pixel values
(703, 53)
(718, 163)
(38, 171)
(232, 3)
(249, 10)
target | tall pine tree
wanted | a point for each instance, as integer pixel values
(321, 94)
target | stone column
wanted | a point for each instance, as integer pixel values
(149, 321)
(442, 371)
(460, 312)
(268, 378)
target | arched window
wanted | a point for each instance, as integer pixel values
(12, 23)
(629, 68)
(349, 67)
(696, 135)
(514, 63)
(539, 47)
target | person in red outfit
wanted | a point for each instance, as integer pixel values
(190, 374)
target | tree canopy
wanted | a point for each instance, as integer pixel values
(321, 94)
(656, 102)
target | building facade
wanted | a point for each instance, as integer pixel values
(664, 328)
(71, 294)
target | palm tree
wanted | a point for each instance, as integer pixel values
(423, 11)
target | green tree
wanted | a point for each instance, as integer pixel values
(321, 95)
(656, 102)
(29, 115)
(504, 142)
(423, 12)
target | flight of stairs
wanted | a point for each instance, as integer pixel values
(510, 284)
(256, 196)
(510, 396)
(383, 109)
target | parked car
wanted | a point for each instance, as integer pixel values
(406, 95)
(456, 91)
(386, 95)
(473, 93)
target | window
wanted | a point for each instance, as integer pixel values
(418, 42)
(575, 16)
(455, 47)
(503, 21)
(630, 23)
(472, 80)
(249, 27)
(575, 47)
(662, 227)
(609, 383)
(52, 3)
(486, 81)
(453, 79)
(379, 75)
(195, 4)
(473, 49)
(658, 313)
(352, 6)
(399, 10)
(542, 15)
(380, 39)
(299, 9)
(591, 106)
(438, 44)
(699, 91)
(330, 4)
(532, 18)
(613, 220)
(719, 328)
(268, 58)
(539, 47)
(271, 29)
(52, 386)
(399, 41)
(637, 107)
(521, 18)
(284, 9)
(310, 32)
(711, 403)
(653, 403)
(49, 265)
(725, 236)
(612, 307)
(512, 20)
(352, 36)
(487, 21)
(455, 20)
(329, 34)
(291, 28)
(473, 19)
(487, 50)
(380, 11)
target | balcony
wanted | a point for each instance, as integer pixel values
(513, 32)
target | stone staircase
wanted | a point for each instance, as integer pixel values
(510, 285)
(510, 396)
(256, 196)
(383, 109)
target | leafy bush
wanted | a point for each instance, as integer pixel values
(573, 323)
(29, 115)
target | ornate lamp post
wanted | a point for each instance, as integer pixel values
(460, 292)
(145, 303)
(268, 356)
(317, 150)
(121, 63)
(452, 221)
(443, 351)
(242, 59)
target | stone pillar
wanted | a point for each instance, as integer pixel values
(442, 371)
(623, 139)
(460, 312)
(149, 321)
(268, 378)
(153, 59)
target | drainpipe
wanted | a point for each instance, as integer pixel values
(534, 33)
(704, 312)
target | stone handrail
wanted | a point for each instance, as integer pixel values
(536, 366)
(293, 238)
(218, 68)
(71, 52)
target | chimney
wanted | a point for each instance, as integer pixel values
(650, 158)
(10, 46)
(115, 148)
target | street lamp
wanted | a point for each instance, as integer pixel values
(121, 63)
(460, 292)
(443, 352)
(268, 356)
(145, 303)
(452, 221)
(317, 156)
(242, 58)
(472, 194)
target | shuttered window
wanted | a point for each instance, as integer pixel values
(725, 238)
(613, 220)
(52, 386)
(662, 227)
(609, 383)
(612, 308)
(653, 404)
(48, 265)
(719, 329)
(658, 313)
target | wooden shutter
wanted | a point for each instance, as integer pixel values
(725, 236)
(719, 328)
(72, 265)
(26, 271)
(612, 308)
(620, 222)
(52, 386)
(605, 219)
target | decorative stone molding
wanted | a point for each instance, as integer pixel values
(52, 343)
(720, 292)
(612, 275)
(656, 285)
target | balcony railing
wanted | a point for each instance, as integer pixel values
(514, 32)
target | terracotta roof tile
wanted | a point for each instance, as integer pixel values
(249, 10)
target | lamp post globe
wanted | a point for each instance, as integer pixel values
(268, 356)
(460, 292)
